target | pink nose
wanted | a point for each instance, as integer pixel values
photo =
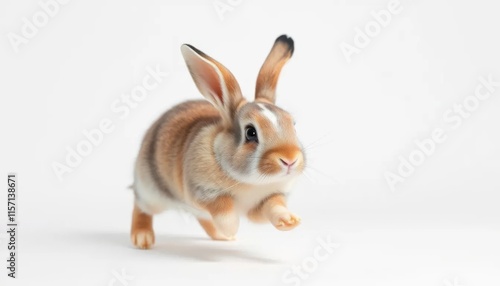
(287, 162)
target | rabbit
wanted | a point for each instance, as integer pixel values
(221, 157)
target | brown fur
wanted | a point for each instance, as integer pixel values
(195, 155)
(222, 205)
(269, 73)
(271, 159)
(174, 131)
(209, 227)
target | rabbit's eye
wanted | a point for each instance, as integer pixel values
(251, 134)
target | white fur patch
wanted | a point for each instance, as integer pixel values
(250, 198)
(280, 212)
(227, 223)
(153, 201)
(269, 115)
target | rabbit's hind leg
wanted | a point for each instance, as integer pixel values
(141, 233)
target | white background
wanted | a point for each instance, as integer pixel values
(439, 227)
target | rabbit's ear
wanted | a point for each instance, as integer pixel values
(281, 51)
(215, 82)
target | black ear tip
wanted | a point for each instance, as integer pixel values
(286, 40)
(194, 49)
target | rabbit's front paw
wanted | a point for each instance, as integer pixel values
(283, 219)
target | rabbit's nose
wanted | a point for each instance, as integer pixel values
(288, 163)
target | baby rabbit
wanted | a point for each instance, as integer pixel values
(220, 157)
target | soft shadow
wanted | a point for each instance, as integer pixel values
(194, 248)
